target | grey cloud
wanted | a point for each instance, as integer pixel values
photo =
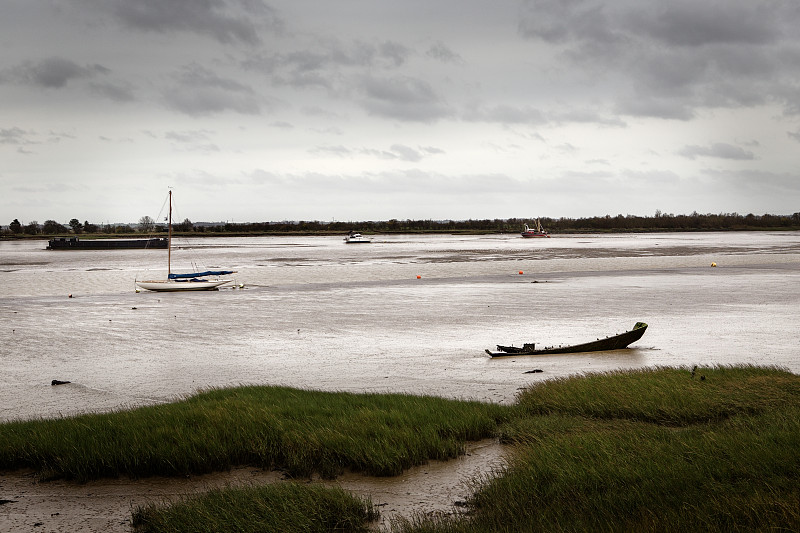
(226, 21)
(646, 106)
(395, 152)
(52, 72)
(506, 114)
(16, 136)
(394, 52)
(691, 23)
(187, 136)
(718, 150)
(402, 182)
(682, 54)
(403, 98)
(324, 64)
(401, 152)
(406, 153)
(113, 91)
(443, 53)
(334, 150)
(794, 134)
(760, 182)
(199, 91)
(586, 116)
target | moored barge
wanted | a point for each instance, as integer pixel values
(74, 243)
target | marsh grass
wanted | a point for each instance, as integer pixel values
(301, 432)
(278, 508)
(646, 450)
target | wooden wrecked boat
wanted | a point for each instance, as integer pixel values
(616, 342)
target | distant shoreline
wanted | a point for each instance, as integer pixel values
(321, 233)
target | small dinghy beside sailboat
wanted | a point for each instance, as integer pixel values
(192, 281)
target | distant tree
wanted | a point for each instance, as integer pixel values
(89, 228)
(15, 227)
(32, 228)
(76, 225)
(51, 227)
(146, 224)
(186, 225)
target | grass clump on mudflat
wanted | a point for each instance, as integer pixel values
(301, 432)
(646, 450)
(278, 508)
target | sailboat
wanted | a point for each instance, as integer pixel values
(193, 281)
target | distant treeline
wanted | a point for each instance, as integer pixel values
(619, 223)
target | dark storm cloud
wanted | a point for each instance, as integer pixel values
(199, 91)
(227, 21)
(666, 59)
(51, 72)
(718, 150)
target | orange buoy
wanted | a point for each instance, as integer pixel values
(418, 276)
(520, 272)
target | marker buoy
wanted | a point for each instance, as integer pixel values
(520, 272)
(70, 296)
(419, 277)
(713, 264)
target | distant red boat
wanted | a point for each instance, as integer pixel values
(535, 232)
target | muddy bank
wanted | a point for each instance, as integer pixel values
(106, 505)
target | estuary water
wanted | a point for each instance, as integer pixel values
(406, 313)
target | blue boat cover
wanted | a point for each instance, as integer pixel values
(201, 274)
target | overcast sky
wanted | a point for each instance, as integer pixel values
(258, 110)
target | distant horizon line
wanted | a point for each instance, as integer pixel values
(657, 215)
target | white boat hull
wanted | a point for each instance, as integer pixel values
(181, 286)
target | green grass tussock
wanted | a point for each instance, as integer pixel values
(664, 395)
(649, 450)
(299, 431)
(657, 449)
(276, 508)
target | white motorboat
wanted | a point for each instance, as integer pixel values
(353, 238)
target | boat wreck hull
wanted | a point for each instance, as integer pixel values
(617, 342)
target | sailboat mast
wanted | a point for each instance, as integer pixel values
(169, 238)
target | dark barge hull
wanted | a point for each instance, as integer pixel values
(617, 342)
(73, 243)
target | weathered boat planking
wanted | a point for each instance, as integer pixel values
(616, 342)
